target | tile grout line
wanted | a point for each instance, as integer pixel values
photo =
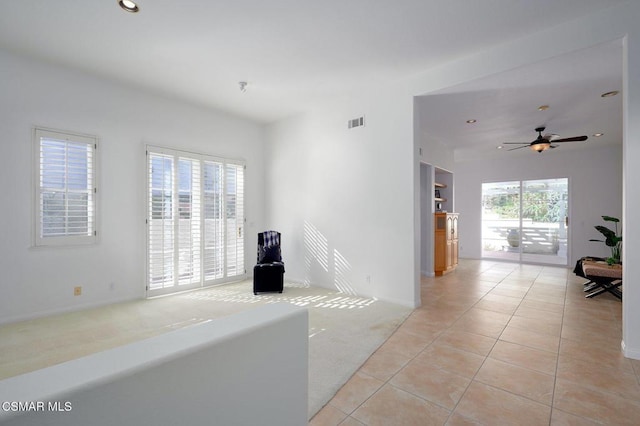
(449, 327)
(387, 382)
(555, 379)
(555, 375)
(497, 340)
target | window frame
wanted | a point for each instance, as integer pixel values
(38, 240)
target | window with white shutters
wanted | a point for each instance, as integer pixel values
(195, 220)
(65, 193)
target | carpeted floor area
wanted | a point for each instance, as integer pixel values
(343, 330)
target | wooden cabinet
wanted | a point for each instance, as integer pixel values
(446, 242)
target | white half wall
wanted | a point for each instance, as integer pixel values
(246, 369)
(37, 282)
(595, 189)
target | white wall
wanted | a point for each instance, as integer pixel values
(430, 150)
(40, 281)
(342, 199)
(595, 186)
(631, 189)
(246, 369)
(427, 207)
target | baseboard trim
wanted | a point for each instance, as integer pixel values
(294, 280)
(67, 309)
(630, 353)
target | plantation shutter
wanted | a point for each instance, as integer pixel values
(161, 225)
(234, 195)
(195, 220)
(213, 221)
(189, 221)
(66, 188)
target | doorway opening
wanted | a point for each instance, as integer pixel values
(526, 221)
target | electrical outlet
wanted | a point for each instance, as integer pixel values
(77, 291)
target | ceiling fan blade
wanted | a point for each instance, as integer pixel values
(516, 143)
(523, 146)
(573, 139)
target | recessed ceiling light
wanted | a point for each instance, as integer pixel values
(609, 94)
(473, 120)
(543, 107)
(129, 6)
(499, 147)
(597, 135)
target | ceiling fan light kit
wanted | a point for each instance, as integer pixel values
(540, 146)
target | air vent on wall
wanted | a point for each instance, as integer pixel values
(356, 122)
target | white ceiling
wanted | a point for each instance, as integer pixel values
(296, 53)
(506, 105)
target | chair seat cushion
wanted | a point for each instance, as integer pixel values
(273, 265)
(592, 269)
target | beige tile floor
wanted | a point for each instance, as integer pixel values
(497, 344)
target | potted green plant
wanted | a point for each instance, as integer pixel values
(612, 239)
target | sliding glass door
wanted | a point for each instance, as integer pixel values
(526, 221)
(195, 220)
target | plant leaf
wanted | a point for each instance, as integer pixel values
(605, 231)
(610, 236)
(611, 219)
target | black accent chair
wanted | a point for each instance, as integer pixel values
(268, 274)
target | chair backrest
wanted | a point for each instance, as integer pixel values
(269, 247)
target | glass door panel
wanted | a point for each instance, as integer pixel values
(501, 220)
(544, 212)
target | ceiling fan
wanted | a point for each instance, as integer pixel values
(542, 143)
